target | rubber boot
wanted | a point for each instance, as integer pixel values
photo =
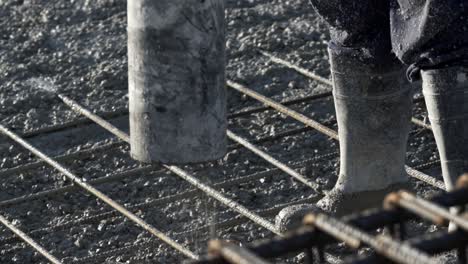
(373, 108)
(446, 95)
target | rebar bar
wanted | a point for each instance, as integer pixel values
(224, 200)
(118, 176)
(425, 178)
(281, 135)
(29, 240)
(233, 253)
(394, 200)
(69, 124)
(432, 243)
(61, 158)
(122, 175)
(122, 112)
(321, 128)
(239, 219)
(434, 212)
(398, 252)
(333, 228)
(68, 188)
(89, 188)
(97, 119)
(301, 70)
(288, 170)
(426, 165)
(421, 123)
(283, 102)
(121, 251)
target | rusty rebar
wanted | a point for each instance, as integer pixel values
(370, 220)
(233, 254)
(395, 200)
(432, 243)
(426, 209)
(352, 236)
(29, 240)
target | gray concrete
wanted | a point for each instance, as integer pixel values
(446, 95)
(339, 204)
(373, 108)
(291, 217)
(176, 51)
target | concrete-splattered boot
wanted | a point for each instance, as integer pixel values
(446, 95)
(373, 108)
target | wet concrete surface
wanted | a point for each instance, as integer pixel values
(80, 46)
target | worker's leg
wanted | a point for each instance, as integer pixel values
(177, 91)
(432, 37)
(434, 41)
(372, 102)
(373, 108)
(446, 95)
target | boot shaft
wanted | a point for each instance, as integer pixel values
(373, 107)
(446, 95)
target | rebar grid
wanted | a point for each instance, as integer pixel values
(155, 202)
(321, 230)
(98, 194)
(178, 171)
(120, 175)
(225, 223)
(310, 123)
(187, 177)
(391, 247)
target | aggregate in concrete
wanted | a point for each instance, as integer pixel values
(80, 46)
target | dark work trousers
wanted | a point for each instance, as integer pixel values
(423, 34)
